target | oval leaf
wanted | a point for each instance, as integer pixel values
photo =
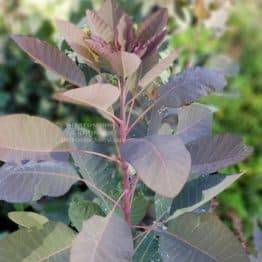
(50, 243)
(169, 160)
(209, 154)
(155, 72)
(98, 26)
(153, 25)
(81, 209)
(199, 191)
(200, 237)
(31, 181)
(51, 58)
(74, 36)
(190, 85)
(101, 238)
(37, 139)
(110, 13)
(27, 219)
(100, 96)
(194, 121)
(124, 63)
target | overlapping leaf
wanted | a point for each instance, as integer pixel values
(74, 36)
(51, 58)
(125, 32)
(194, 121)
(190, 85)
(27, 219)
(148, 249)
(81, 209)
(209, 154)
(50, 243)
(101, 238)
(200, 237)
(199, 191)
(30, 181)
(152, 26)
(124, 63)
(155, 72)
(169, 162)
(99, 96)
(24, 137)
(95, 169)
(99, 27)
(139, 208)
(110, 13)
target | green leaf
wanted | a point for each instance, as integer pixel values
(27, 219)
(200, 237)
(162, 207)
(81, 210)
(50, 243)
(95, 169)
(148, 249)
(139, 208)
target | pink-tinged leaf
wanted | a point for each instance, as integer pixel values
(190, 85)
(200, 237)
(152, 45)
(24, 137)
(32, 180)
(103, 49)
(153, 25)
(110, 13)
(99, 27)
(74, 36)
(149, 62)
(194, 121)
(152, 74)
(125, 33)
(162, 162)
(103, 239)
(209, 154)
(100, 96)
(124, 63)
(51, 58)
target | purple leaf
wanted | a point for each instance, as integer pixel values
(194, 121)
(51, 58)
(31, 181)
(161, 162)
(190, 85)
(24, 137)
(103, 237)
(209, 154)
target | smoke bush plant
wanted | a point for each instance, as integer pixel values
(150, 181)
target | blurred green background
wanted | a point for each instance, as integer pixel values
(232, 38)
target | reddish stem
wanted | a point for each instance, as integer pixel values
(124, 165)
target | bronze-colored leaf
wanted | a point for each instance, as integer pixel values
(51, 58)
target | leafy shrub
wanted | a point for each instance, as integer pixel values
(150, 178)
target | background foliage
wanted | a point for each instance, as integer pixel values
(25, 87)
